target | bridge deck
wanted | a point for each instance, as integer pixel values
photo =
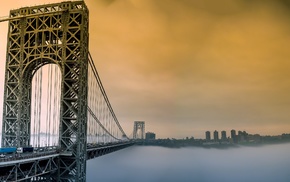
(33, 165)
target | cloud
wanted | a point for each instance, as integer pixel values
(191, 64)
(214, 62)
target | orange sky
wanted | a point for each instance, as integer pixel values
(187, 66)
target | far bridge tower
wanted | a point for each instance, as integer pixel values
(139, 130)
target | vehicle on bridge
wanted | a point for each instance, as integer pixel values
(7, 150)
(21, 150)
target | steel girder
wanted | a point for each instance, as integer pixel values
(36, 169)
(99, 151)
(57, 34)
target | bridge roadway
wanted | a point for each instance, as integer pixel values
(40, 165)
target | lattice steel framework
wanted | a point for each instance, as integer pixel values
(49, 34)
(41, 168)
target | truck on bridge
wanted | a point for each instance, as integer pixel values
(24, 149)
(8, 150)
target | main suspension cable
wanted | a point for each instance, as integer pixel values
(91, 63)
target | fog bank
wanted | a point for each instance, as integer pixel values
(157, 164)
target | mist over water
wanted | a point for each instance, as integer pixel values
(270, 163)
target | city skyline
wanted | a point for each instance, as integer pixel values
(185, 67)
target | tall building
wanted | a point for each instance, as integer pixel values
(224, 136)
(150, 136)
(234, 136)
(139, 130)
(216, 136)
(207, 135)
(233, 133)
(240, 136)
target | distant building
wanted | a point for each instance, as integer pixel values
(233, 133)
(216, 136)
(242, 136)
(285, 136)
(207, 135)
(234, 136)
(150, 136)
(224, 136)
(256, 138)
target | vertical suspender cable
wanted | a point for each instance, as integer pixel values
(103, 123)
(54, 106)
(55, 120)
(95, 132)
(36, 103)
(50, 76)
(46, 116)
(91, 96)
(37, 109)
(39, 105)
(47, 106)
(34, 110)
(58, 105)
(89, 137)
(89, 103)
(91, 63)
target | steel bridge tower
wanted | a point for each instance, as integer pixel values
(139, 130)
(49, 34)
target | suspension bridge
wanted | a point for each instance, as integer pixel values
(54, 101)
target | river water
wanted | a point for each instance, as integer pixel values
(269, 163)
